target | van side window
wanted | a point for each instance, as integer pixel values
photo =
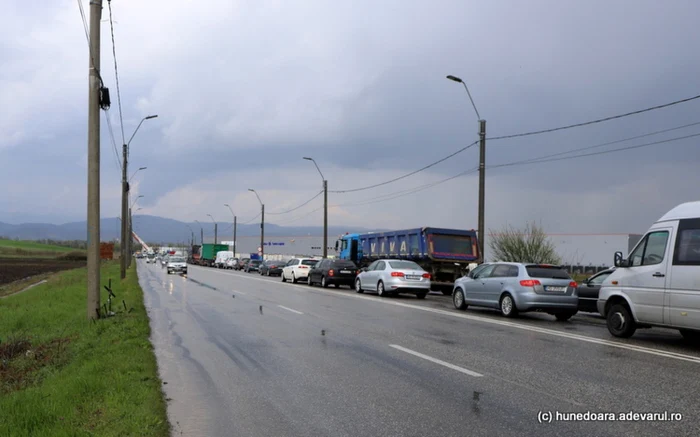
(650, 250)
(687, 250)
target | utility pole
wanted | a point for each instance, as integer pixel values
(234, 235)
(262, 232)
(125, 210)
(201, 236)
(325, 218)
(93, 194)
(216, 230)
(131, 232)
(482, 185)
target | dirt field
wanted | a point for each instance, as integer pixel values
(13, 269)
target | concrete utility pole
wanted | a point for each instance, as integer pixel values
(234, 228)
(125, 208)
(325, 208)
(262, 225)
(215, 228)
(482, 169)
(201, 233)
(131, 231)
(93, 194)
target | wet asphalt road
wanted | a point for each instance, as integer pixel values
(291, 360)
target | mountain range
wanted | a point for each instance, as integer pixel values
(160, 229)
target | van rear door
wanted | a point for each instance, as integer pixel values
(684, 285)
(644, 281)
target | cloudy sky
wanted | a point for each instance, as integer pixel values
(245, 89)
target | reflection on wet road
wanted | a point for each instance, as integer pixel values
(250, 356)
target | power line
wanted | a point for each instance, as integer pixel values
(408, 174)
(526, 161)
(600, 120)
(295, 208)
(300, 217)
(116, 71)
(251, 220)
(114, 142)
(87, 37)
(603, 152)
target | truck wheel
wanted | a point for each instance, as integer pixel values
(380, 289)
(358, 286)
(620, 321)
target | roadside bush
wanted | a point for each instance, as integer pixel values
(527, 245)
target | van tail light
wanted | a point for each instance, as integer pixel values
(330, 272)
(397, 274)
(426, 275)
(530, 282)
(573, 284)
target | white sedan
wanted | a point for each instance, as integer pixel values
(393, 276)
(297, 268)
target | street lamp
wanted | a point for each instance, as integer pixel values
(125, 194)
(325, 208)
(136, 200)
(132, 176)
(215, 230)
(234, 227)
(192, 232)
(262, 224)
(482, 168)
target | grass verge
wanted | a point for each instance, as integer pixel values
(17, 286)
(61, 375)
(32, 249)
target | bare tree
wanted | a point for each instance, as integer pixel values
(529, 245)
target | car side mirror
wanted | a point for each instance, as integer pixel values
(620, 261)
(363, 269)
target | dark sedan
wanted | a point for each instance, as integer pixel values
(241, 264)
(272, 268)
(253, 265)
(333, 271)
(588, 291)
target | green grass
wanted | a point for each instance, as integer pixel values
(32, 249)
(80, 378)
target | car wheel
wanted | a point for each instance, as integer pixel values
(336, 285)
(380, 289)
(446, 292)
(458, 299)
(620, 321)
(358, 286)
(565, 315)
(267, 273)
(422, 295)
(324, 284)
(294, 279)
(283, 278)
(508, 307)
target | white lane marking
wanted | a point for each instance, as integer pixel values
(436, 361)
(289, 309)
(584, 338)
(238, 292)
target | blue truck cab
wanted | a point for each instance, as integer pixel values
(444, 253)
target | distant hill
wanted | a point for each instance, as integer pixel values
(160, 229)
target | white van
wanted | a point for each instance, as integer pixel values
(221, 258)
(659, 283)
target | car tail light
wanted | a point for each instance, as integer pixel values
(530, 282)
(303, 267)
(426, 275)
(573, 284)
(358, 272)
(330, 272)
(397, 274)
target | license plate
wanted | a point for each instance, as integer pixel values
(412, 277)
(345, 271)
(556, 288)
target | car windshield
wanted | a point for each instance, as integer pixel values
(547, 272)
(255, 262)
(177, 259)
(309, 262)
(404, 265)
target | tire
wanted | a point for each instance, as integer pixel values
(324, 284)
(565, 315)
(690, 335)
(309, 282)
(358, 286)
(294, 279)
(421, 295)
(381, 292)
(446, 292)
(267, 273)
(283, 278)
(620, 321)
(507, 305)
(336, 285)
(458, 299)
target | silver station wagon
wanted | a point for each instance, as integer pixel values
(516, 288)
